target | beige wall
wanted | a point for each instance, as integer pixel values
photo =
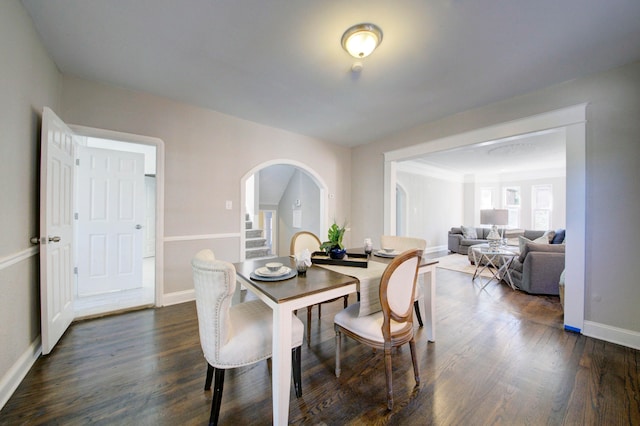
(29, 80)
(206, 156)
(613, 205)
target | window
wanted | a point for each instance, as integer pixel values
(511, 201)
(486, 198)
(542, 206)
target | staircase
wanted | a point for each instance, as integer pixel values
(255, 243)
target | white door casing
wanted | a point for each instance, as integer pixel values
(149, 229)
(56, 229)
(111, 213)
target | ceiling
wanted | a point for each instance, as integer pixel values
(538, 153)
(280, 62)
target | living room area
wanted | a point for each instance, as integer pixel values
(523, 178)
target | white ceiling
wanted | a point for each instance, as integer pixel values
(280, 63)
(538, 153)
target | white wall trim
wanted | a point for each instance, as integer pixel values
(18, 371)
(201, 237)
(611, 334)
(179, 297)
(12, 259)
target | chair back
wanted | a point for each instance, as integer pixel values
(402, 243)
(214, 282)
(397, 290)
(304, 240)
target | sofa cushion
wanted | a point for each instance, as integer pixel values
(558, 238)
(469, 232)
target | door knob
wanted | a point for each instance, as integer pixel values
(138, 226)
(54, 239)
(35, 240)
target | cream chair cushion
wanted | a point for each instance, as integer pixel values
(369, 327)
(231, 336)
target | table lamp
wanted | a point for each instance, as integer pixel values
(494, 217)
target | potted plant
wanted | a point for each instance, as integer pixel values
(334, 247)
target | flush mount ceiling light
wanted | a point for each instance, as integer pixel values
(362, 39)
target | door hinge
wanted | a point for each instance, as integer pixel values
(75, 216)
(75, 270)
(77, 161)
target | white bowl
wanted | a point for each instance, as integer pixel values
(388, 250)
(274, 266)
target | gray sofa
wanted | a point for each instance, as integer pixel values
(459, 244)
(538, 268)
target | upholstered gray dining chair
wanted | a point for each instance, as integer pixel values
(308, 240)
(405, 243)
(391, 327)
(233, 336)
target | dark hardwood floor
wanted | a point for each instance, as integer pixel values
(500, 357)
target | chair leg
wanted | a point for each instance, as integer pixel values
(319, 311)
(218, 384)
(338, 348)
(414, 360)
(297, 373)
(207, 382)
(416, 306)
(346, 301)
(309, 325)
(387, 372)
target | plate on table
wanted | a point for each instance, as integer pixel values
(273, 276)
(267, 273)
(382, 253)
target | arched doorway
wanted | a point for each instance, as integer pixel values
(284, 196)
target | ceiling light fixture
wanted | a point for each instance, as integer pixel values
(362, 39)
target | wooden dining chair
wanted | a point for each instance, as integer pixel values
(308, 240)
(393, 325)
(233, 336)
(406, 243)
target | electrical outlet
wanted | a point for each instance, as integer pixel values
(228, 205)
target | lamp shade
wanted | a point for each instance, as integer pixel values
(494, 217)
(362, 39)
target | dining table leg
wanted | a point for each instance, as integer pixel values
(430, 302)
(281, 363)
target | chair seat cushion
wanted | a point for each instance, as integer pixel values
(369, 327)
(250, 335)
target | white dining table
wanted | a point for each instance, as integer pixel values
(318, 285)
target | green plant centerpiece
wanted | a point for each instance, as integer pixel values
(334, 247)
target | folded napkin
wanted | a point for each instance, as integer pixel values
(303, 257)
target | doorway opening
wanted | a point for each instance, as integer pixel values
(571, 121)
(282, 197)
(104, 283)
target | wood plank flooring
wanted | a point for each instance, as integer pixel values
(501, 357)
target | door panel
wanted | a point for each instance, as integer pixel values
(111, 211)
(56, 229)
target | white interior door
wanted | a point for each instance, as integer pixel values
(56, 229)
(111, 213)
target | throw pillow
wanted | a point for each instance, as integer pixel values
(549, 235)
(522, 241)
(511, 235)
(559, 237)
(469, 232)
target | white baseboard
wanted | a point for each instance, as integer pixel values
(178, 297)
(611, 334)
(12, 379)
